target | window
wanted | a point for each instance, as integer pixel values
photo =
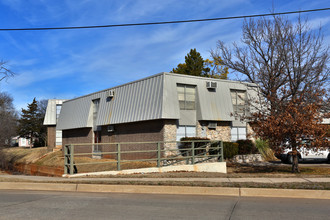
(238, 133)
(185, 131)
(58, 138)
(187, 97)
(96, 105)
(58, 110)
(239, 101)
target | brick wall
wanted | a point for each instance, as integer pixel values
(135, 132)
(51, 136)
(144, 131)
(79, 135)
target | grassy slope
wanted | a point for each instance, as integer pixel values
(39, 156)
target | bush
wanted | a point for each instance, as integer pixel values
(38, 143)
(246, 147)
(184, 146)
(230, 149)
(264, 150)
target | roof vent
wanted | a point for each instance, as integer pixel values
(212, 125)
(211, 85)
(110, 93)
(111, 128)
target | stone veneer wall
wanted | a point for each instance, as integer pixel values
(169, 134)
(250, 133)
(222, 131)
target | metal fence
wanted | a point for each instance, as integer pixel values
(163, 153)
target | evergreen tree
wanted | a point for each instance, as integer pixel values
(30, 124)
(195, 65)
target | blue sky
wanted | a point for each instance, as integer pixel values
(70, 63)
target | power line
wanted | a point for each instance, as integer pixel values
(162, 22)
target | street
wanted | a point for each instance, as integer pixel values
(68, 205)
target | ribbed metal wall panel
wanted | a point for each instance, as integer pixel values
(77, 113)
(50, 116)
(138, 101)
(151, 98)
(211, 105)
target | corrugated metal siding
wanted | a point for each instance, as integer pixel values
(148, 99)
(211, 106)
(75, 114)
(171, 109)
(50, 116)
(136, 101)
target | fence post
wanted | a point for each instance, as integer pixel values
(221, 145)
(66, 159)
(118, 156)
(193, 152)
(218, 150)
(71, 158)
(158, 154)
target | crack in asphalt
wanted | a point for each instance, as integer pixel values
(233, 209)
(34, 200)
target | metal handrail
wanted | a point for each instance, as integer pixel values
(70, 166)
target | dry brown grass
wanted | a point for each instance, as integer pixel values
(39, 156)
(56, 159)
(22, 155)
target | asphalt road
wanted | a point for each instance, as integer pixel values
(61, 205)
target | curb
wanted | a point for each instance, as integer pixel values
(217, 167)
(178, 190)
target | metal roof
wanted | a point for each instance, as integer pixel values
(136, 101)
(154, 97)
(50, 116)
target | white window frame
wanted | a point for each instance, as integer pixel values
(185, 95)
(185, 132)
(239, 133)
(235, 96)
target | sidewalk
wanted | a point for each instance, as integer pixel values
(123, 179)
(141, 185)
(151, 185)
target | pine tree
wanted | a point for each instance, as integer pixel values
(194, 65)
(29, 124)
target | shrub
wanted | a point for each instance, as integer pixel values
(199, 146)
(230, 149)
(246, 147)
(264, 150)
(38, 143)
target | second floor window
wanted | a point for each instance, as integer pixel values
(96, 104)
(187, 96)
(58, 111)
(239, 101)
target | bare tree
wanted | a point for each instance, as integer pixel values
(8, 119)
(289, 63)
(4, 71)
